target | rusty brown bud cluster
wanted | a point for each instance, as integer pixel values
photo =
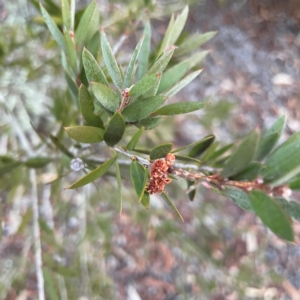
(159, 174)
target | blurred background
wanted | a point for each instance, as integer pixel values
(220, 252)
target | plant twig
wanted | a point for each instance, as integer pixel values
(139, 159)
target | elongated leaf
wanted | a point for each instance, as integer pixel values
(71, 52)
(50, 284)
(270, 139)
(142, 108)
(87, 108)
(200, 146)
(242, 156)
(110, 62)
(37, 162)
(85, 134)
(60, 146)
(179, 108)
(188, 159)
(66, 14)
(72, 87)
(171, 204)
(291, 207)
(142, 86)
(143, 58)
(148, 123)
(167, 37)
(239, 197)
(134, 140)
(145, 200)
(161, 151)
(194, 42)
(114, 130)
(88, 24)
(106, 96)
(9, 167)
(93, 175)
(207, 138)
(284, 163)
(130, 70)
(272, 215)
(209, 152)
(139, 176)
(119, 191)
(56, 33)
(250, 172)
(221, 151)
(182, 83)
(193, 192)
(92, 69)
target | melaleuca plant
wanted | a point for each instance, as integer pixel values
(112, 96)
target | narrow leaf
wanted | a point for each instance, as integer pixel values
(242, 156)
(114, 130)
(110, 62)
(143, 58)
(201, 146)
(188, 159)
(291, 207)
(85, 134)
(93, 175)
(139, 176)
(161, 151)
(145, 200)
(88, 24)
(207, 138)
(134, 140)
(179, 108)
(284, 162)
(272, 215)
(171, 204)
(220, 152)
(66, 14)
(130, 69)
(148, 123)
(60, 146)
(239, 197)
(106, 96)
(87, 108)
(72, 87)
(182, 83)
(142, 108)
(50, 284)
(71, 52)
(119, 191)
(250, 172)
(9, 167)
(37, 162)
(56, 33)
(166, 41)
(194, 42)
(92, 69)
(270, 139)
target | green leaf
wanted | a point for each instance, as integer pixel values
(192, 193)
(162, 62)
(295, 185)
(291, 207)
(110, 62)
(142, 108)
(194, 42)
(242, 156)
(139, 177)
(179, 108)
(106, 96)
(284, 162)
(85, 134)
(270, 139)
(143, 85)
(148, 123)
(119, 191)
(250, 172)
(188, 159)
(37, 162)
(239, 197)
(50, 284)
(93, 175)
(143, 58)
(66, 14)
(182, 83)
(94, 44)
(171, 204)
(209, 152)
(161, 151)
(72, 87)
(200, 146)
(9, 167)
(220, 152)
(174, 29)
(71, 52)
(272, 215)
(87, 108)
(204, 140)
(145, 200)
(134, 140)
(56, 33)
(60, 146)
(88, 24)
(130, 69)
(114, 130)
(92, 69)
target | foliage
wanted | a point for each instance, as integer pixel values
(112, 105)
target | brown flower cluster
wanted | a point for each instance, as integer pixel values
(159, 174)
